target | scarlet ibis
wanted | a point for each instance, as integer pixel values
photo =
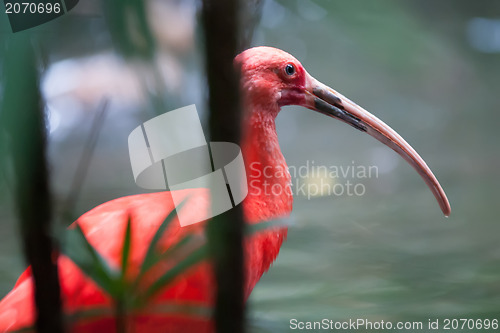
(270, 79)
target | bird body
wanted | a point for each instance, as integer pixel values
(271, 78)
(104, 227)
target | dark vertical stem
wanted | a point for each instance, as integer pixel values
(120, 315)
(25, 127)
(83, 165)
(225, 232)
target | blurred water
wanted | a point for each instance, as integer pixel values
(388, 254)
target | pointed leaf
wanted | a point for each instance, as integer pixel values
(251, 229)
(83, 254)
(193, 258)
(156, 258)
(126, 248)
(151, 256)
(170, 252)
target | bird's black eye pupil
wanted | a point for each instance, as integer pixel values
(290, 69)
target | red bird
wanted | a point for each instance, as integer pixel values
(271, 78)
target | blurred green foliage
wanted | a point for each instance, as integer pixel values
(130, 295)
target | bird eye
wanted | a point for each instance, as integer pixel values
(290, 69)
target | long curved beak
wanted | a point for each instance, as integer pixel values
(325, 100)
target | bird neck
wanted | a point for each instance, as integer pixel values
(269, 191)
(269, 182)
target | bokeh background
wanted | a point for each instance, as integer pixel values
(430, 69)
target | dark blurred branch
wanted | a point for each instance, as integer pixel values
(83, 165)
(24, 121)
(250, 14)
(225, 232)
(127, 21)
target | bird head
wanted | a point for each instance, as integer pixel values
(272, 78)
